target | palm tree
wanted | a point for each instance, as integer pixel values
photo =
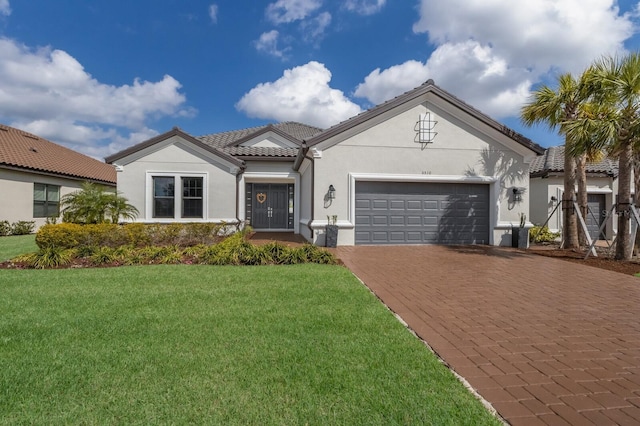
(615, 82)
(588, 143)
(93, 204)
(554, 108)
(118, 208)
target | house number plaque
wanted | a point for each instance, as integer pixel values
(261, 197)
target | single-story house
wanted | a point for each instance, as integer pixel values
(35, 173)
(547, 188)
(424, 167)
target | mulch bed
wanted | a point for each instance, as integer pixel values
(604, 260)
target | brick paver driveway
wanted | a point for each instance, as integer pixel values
(543, 340)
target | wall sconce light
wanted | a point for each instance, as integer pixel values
(517, 194)
(332, 192)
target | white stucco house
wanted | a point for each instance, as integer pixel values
(424, 167)
(547, 189)
(35, 173)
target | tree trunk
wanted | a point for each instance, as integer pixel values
(636, 194)
(623, 244)
(570, 220)
(581, 176)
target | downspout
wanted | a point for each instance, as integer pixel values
(241, 170)
(313, 189)
(296, 167)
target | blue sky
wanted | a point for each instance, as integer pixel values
(98, 76)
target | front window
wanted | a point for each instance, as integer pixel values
(163, 197)
(192, 197)
(46, 200)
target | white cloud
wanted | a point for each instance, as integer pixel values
(490, 52)
(48, 92)
(302, 94)
(364, 7)
(537, 34)
(5, 8)
(468, 70)
(213, 13)
(313, 29)
(268, 43)
(285, 11)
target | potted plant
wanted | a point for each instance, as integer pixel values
(331, 232)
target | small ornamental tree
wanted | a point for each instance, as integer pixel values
(93, 204)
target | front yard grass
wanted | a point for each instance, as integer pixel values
(304, 344)
(15, 245)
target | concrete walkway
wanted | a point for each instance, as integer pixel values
(546, 342)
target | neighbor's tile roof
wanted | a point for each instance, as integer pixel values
(552, 161)
(22, 150)
(228, 141)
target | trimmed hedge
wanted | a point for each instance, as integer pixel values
(72, 235)
(21, 227)
(233, 250)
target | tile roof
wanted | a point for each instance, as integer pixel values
(22, 150)
(227, 141)
(552, 161)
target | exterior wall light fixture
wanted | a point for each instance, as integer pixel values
(332, 192)
(517, 194)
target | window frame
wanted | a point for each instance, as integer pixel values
(191, 197)
(178, 207)
(46, 203)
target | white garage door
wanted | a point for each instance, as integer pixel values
(421, 213)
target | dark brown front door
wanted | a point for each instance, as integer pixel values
(270, 203)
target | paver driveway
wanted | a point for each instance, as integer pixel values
(543, 340)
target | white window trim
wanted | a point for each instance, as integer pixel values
(177, 208)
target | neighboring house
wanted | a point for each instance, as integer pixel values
(547, 187)
(421, 168)
(35, 173)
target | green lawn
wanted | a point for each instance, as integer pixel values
(14, 245)
(305, 344)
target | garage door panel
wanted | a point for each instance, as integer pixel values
(418, 213)
(414, 220)
(378, 220)
(379, 204)
(396, 220)
(363, 204)
(397, 205)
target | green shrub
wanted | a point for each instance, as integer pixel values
(63, 235)
(539, 234)
(22, 227)
(138, 234)
(50, 257)
(5, 228)
(103, 255)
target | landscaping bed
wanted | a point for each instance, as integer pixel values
(603, 261)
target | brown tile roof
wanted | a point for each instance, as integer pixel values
(552, 161)
(22, 150)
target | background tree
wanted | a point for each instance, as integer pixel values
(93, 204)
(555, 108)
(615, 82)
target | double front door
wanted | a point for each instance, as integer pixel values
(270, 206)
